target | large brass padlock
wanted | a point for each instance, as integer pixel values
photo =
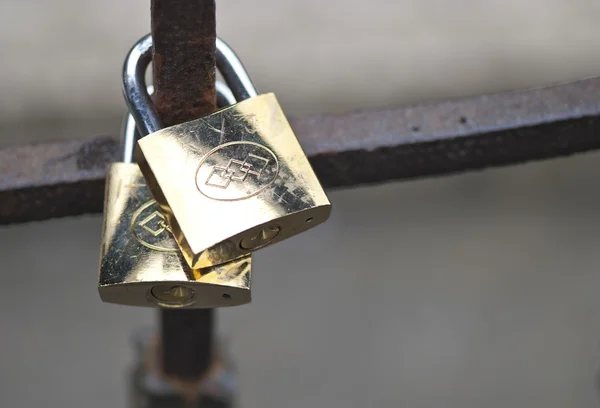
(141, 264)
(229, 183)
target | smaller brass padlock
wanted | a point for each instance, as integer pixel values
(229, 183)
(141, 264)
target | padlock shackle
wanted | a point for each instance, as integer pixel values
(234, 73)
(131, 134)
(134, 84)
(225, 95)
(134, 87)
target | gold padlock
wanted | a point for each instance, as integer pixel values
(141, 264)
(229, 183)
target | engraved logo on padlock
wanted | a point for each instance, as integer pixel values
(149, 227)
(236, 170)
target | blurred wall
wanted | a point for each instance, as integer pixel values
(468, 291)
(62, 59)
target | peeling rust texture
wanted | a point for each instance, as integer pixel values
(183, 34)
(38, 182)
(184, 68)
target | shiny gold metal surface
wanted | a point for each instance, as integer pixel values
(232, 182)
(141, 264)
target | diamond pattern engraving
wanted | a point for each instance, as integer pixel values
(236, 170)
(155, 228)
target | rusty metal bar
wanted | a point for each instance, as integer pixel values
(183, 59)
(50, 180)
(184, 34)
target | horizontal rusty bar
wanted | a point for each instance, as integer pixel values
(43, 181)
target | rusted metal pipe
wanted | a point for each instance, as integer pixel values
(50, 180)
(184, 34)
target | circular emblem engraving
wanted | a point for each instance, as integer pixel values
(236, 170)
(149, 227)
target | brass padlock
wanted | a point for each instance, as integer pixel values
(141, 264)
(239, 173)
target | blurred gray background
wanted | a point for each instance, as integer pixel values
(480, 290)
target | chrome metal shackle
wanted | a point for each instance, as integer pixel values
(138, 99)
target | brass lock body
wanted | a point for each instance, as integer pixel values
(239, 174)
(140, 262)
(234, 181)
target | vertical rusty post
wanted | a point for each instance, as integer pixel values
(184, 33)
